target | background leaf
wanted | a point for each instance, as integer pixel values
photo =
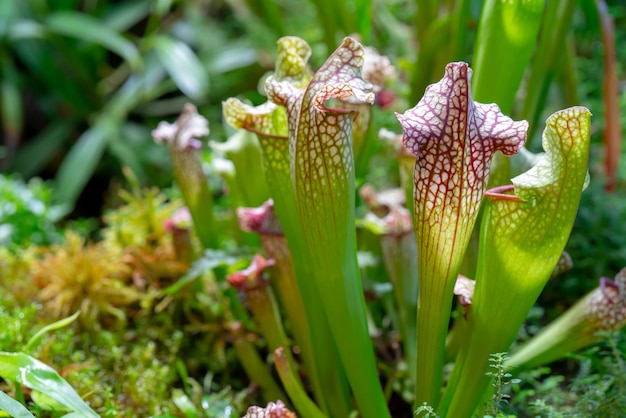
(183, 66)
(81, 161)
(87, 28)
(30, 372)
(13, 407)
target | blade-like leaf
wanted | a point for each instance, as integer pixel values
(33, 156)
(121, 17)
(87, 28)
(32, 373)
(13, 407)
(81, 161)
(547, 58)
(183, 66)
(507, 35)
(47, 403)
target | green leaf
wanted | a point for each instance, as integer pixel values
(182, 401)
(507, 36)
(87, 28)
(81, 161)
(124, 150)
(210, 260)
(547, 59)
(25, 29)
(121, 17)
(293, 386)
(47, 403)
(11, 105)
(521, 240)
(32, 373)
(63, 70)
(13, 407)
(183, 66)
(33, 156)
(51, 327)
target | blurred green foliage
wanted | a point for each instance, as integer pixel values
(83, 82)
(27, 215)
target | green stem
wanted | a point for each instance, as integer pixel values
(284, 281)
(243, 149)
(521, 240)
(269, 13)
(255, 367)
(196, 194)
(306, 407)
(346, 17)
(399, 257)
(364, 19)
(567, 334)
(325, 371)
(265, 309)
(568, 78)
(426, 13)
(433, 307)
(322, 172)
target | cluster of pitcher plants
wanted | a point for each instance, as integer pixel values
(504, 231)
(467, 240)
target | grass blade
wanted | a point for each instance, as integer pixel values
(51, 327)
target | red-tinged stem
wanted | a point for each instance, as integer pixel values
(612, 128)
(499, 193)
